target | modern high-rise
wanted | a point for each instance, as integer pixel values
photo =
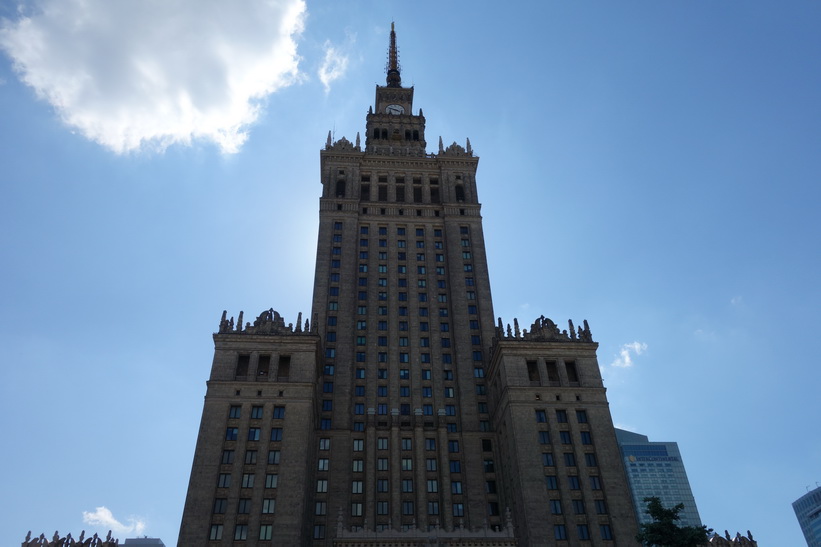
(808, 512)
(400, 412)
(655, 469)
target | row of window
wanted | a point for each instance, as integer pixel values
(254, 433)
(400, 230)
(578, 506)
(582, 531)
(573, 481)
(248, 480)
(244, 506)
(561, 416)
(250, 457)
(241, 532)
(569, 459)
(235, 411)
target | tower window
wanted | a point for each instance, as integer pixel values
(340, 188)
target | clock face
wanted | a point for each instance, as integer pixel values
(394, 109)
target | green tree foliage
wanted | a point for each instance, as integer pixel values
(664, 531)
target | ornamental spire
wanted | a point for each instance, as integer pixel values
(393, 79)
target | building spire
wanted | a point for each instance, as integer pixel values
(393, 79)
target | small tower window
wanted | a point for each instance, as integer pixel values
(365, 192)
(460, 192)
(375, 132)
(416, 134)
(407, 134)
(340, 188)
(385, 134)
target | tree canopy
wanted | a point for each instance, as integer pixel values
(664, 531)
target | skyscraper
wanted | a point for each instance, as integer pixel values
(808, 512)
(655, 469)
(401, 412)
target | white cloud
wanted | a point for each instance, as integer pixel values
(149, 73)
(735, 301)
(103, 518)
(333, 65)
(625, 356)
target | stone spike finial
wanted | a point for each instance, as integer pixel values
(357, 139)
(328, 143)
(441, 145)
(516, 330)
(307, 326)
(509, 331)
(299, 322)
(468, 148)
(500, 328)
(239, 321)
(571, 329)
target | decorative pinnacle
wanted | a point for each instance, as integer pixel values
(393, 79)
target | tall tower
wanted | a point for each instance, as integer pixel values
(403, 412)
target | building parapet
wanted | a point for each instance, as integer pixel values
(737, 541)
(544, 330)
(68, 541)
(269, 322)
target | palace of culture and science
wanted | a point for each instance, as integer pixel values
(401, 413)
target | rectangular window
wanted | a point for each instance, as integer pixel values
(407, 485)
(407, 464)
(561, 416)
(227, 456)
(381, 508)
(319, 531)
(382, 464)
(595, 483)
(590, 460)
(433, 486)
(244, 506)
(273, 457)
(322, 485)
(605, 531)
(586, 437)
(224, 480)
(358, 445)
(322, 464)
(578, 508)
(266, 531)
(250, 457)
(356, 509)
(581, 416)
(551, 482)
(455, 466)
(583, 531)
(253, 433)
(547, 459)
(356, 487)
(489, 466)
(559, 531)
(601, 508)
(430, 464)
(219, 506)
(216, 531)
(456, 487)
(544, 437)
(569, 459)
(324, 444)
(458, 510)
(248, 480)
(555, 507)
(541, 417)
(565, 437)
(276, 434)
(231, 433)
(574, 482)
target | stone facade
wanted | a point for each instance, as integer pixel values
(406, 417)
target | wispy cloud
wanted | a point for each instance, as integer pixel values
(736, 300)
(132, 75)
(334, 65)
(625, 357)
(104, 519)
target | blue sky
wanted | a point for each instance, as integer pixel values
(652, 167)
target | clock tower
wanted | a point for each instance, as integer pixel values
(392, 128)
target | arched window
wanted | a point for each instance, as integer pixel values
(407, 134)
(375, 132)
(385, 134)
(340, 188)
(416, 134)
(460, 192)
